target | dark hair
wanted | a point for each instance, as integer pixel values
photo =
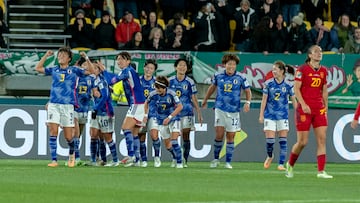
(151, 61)
(281, 65)
(307, 60)
(163, 80)
(66, 50)
(124, 55)
(182, 59)
(230, 57)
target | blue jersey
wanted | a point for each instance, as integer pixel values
(103, 104)
(149, 86)
(63, 87)
(184, 89)
(277, 104)
(134, 91)
(165, 105)
(229, 91)
(83, 93)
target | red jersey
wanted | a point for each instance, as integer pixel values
(357, 112)
(312, 85)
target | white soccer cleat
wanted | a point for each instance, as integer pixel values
(179, 165)
(214, 163)
(130, 161)
(143, 164)
(289, 171)
(173, 163)
(323, 174)
(137, 164)
(228, 165)
(112, 164)
(157, 162)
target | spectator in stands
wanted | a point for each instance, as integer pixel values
(156, 41)
(269, 8)
(145, 7)
(178, 18)
(299, 37)
(136, 42)
(104, 35)
(85, 5)
(3, 29)
(98, 6)
(124, 6)
(341, 32)
(179, 41)
(169, 7)
(320, 35)
(290, 8)
(261, 40)
(280, 36)
(125, 29)
(338, 8)
(314, 9)
(205, 30)
(81, 32)
(151, 22)
(246, 20)
(224, 13)
(352, 46)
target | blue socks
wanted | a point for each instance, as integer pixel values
(177, 150)
(112, 147)
(71, 146)
(76, 147)
(102, 150)
(137, 148)
(129, 142)
(217, 148)
(283, 149)
(270, 146)
(229, 151)
(53, 147)
(156, 145)
(94, 145)
(143, 151)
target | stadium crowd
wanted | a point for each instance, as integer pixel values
(267, 26)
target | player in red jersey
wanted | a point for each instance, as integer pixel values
(312, 95)
(355, 121)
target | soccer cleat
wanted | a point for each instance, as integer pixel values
(214, 163)
(173, 163)
(228, 165)
(289, 171)
(78, 162)
(53, 164)
(157, 162)
(185, 164)
(71, 161)
(267, 162)
(91, 163)
(137, 164)
(323, 174)
(179, 165)
(281, 168)
(130, 161)
(112, 164)
(144, 164)
(124, 160)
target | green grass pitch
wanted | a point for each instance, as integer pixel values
(27, 181)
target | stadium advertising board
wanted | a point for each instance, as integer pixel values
(24, 135)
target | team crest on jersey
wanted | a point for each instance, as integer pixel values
(283, 89)
(169, 100)
(322, 75)
(88, 82)
(69, 71)
(302, 118)
(185, 87)
(298, 74)
(236, 81)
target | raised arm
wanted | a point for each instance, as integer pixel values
(40, 66)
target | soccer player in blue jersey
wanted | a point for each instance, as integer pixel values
(228, 84)
(102, 118)
(83, 96)
(185, 89)
(168, 106)
(134, 93)
(62, 99)
(148, 82)
(274, 112)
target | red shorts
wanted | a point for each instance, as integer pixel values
(317, 118)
